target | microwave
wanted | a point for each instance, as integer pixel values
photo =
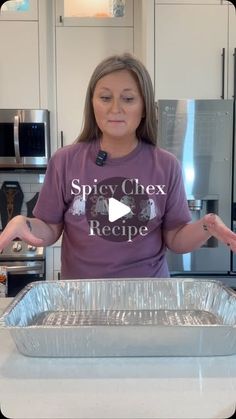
(24, 138)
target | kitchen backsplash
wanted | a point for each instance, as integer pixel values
(30, 184)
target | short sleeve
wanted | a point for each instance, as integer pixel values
(50, 206)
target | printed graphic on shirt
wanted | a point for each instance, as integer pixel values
(117, 209)
(78, 206)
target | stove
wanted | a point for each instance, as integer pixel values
(19, 262)
(19, 250)
(23, 263)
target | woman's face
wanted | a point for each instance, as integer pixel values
(118, 105)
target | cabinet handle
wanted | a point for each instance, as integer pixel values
(58, 276)
(62, 139)
(223, 73)
(234, 91)
(16, 138)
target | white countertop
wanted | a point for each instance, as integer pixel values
(201, 387)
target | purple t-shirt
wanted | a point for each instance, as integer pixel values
(91, 256)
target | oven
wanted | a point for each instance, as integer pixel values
(23, 264)
(24, 138)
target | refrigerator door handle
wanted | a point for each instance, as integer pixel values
(62, 139)
(234, 91)
(223, 74)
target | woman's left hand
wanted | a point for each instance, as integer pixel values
(215, 226)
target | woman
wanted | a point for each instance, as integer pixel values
(81, 181)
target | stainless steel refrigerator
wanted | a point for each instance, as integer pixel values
(201, 133)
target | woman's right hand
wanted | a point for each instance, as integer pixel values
(19, 227)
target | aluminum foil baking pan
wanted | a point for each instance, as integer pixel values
(128, 317)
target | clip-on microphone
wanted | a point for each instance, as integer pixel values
(101, 158)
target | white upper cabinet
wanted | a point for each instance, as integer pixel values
(81, 43)
(19, 10)
(191, 51)
(19, 65)
(205, 2)
(78, 51)
(94, 13)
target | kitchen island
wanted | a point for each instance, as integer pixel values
(155, 387)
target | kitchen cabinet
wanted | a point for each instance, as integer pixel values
(53, 261)
(27, 62)
(189, 43)
(78, 51)
(12, 10)
(81, 43)
(56, 262)
(205, 2)
(66, 13)
(19, 65)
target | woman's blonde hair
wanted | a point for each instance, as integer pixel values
(147, 129)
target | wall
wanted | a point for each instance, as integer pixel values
(30, 184)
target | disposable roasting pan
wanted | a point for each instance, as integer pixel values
(128, 317)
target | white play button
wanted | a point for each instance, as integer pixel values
(116, 209)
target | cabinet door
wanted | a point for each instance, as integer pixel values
(19, 65)
(49, 263)
(63, 20)
(15, 10)
(78, 52)
(189, 40)
(232, 53)
(205, 2)
(57, 258)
